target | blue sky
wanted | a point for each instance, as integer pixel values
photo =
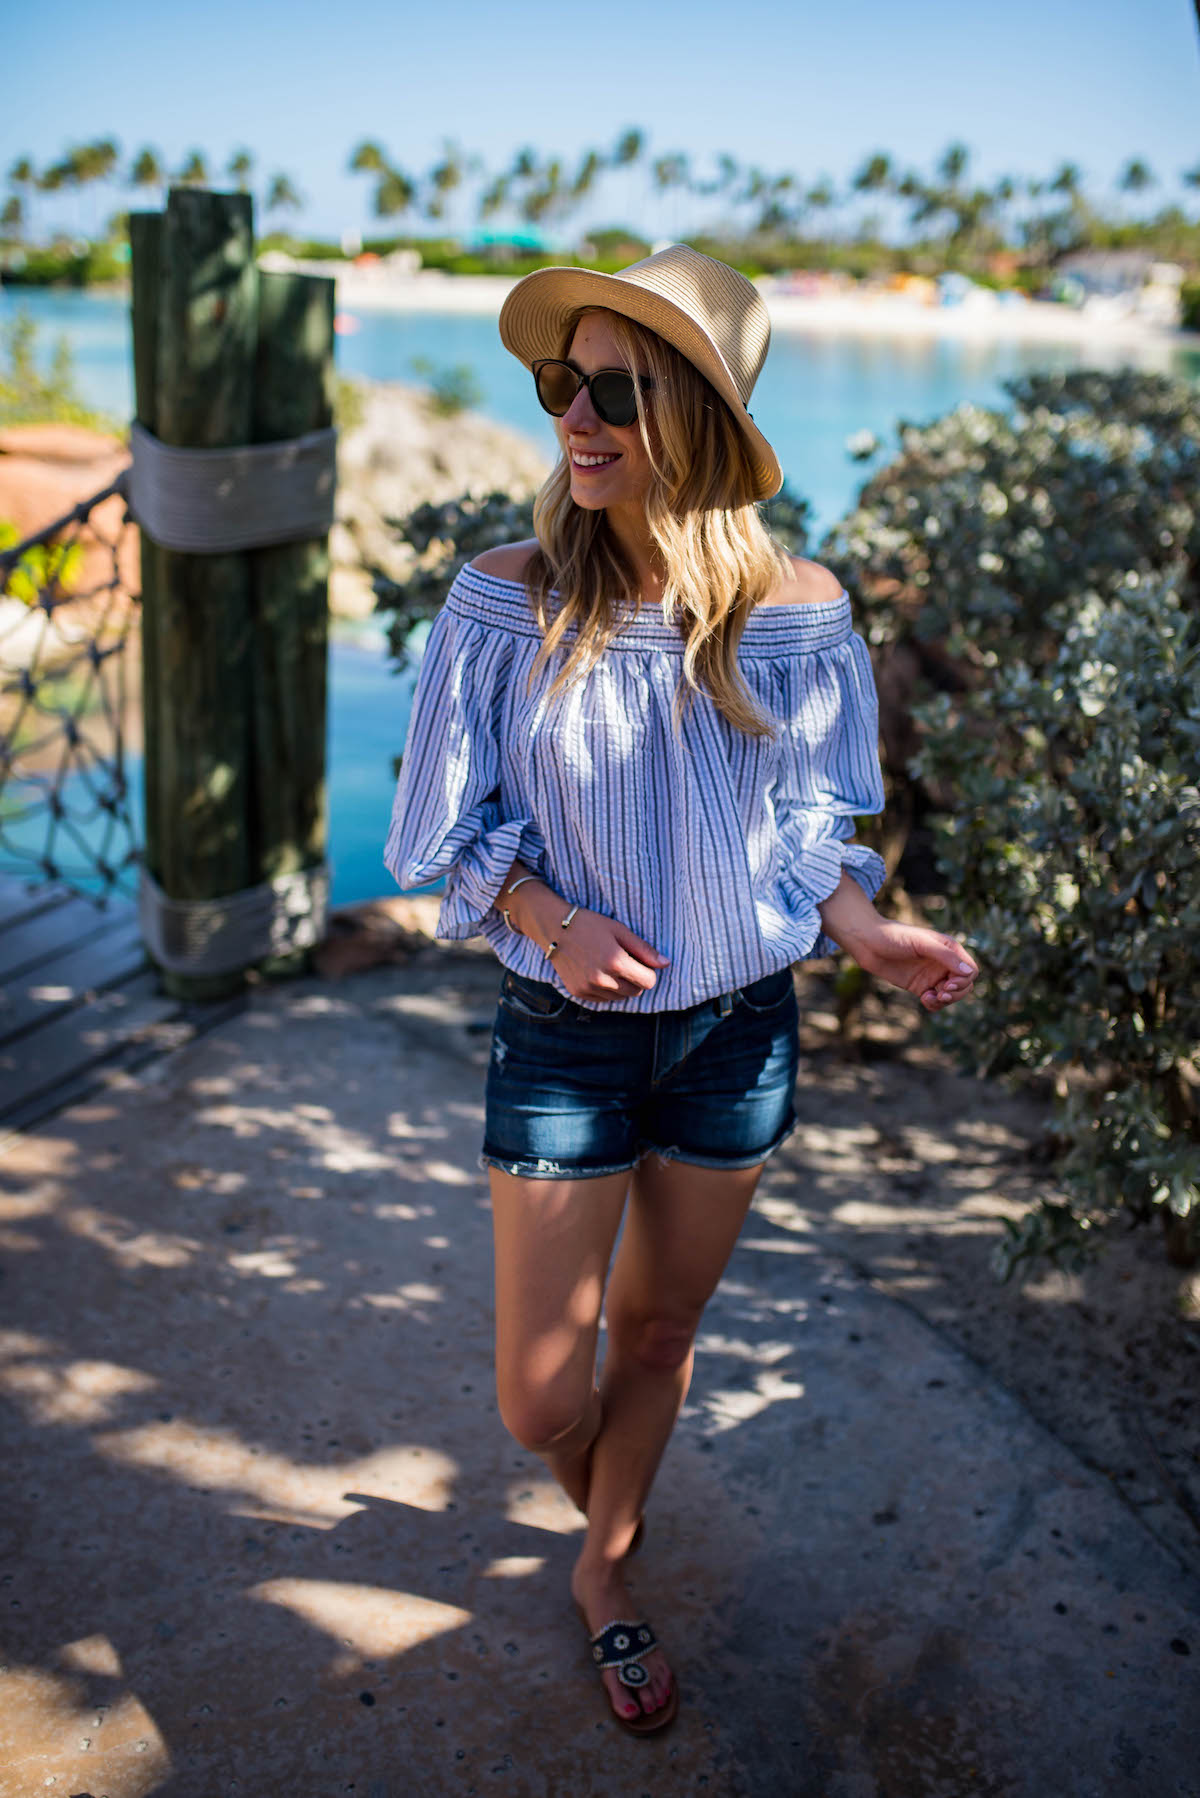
(812, 89)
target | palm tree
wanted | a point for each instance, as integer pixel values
(239, 168)
(953, 165)
(368, 159)
(394, 193)
(23, 176)
(626, 152)
(494, 197)
(12, 218)
(282, 196)
(629, 147)
(148, 171)
(875, 173)
(194, 172)
(96, 162)
(875, 176)
(585, 175)
(444, 177)
(1136, 177)
(548, 196)
(820, 196)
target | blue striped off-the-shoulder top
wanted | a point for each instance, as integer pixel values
(716, 848)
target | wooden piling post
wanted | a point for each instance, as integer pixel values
(145, 241)
(235, 645)
(201, 635)
(293, 394)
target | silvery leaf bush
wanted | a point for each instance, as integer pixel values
(1072, 861)
(959, 549)
(446, 536)
(986, 518)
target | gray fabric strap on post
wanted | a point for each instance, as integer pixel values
(209, 501)
(216, 936)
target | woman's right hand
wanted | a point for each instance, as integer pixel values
(598, 957)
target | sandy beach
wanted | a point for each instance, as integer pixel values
(981, 317)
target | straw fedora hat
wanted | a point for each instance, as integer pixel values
(711, 314)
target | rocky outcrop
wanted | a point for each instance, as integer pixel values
(400, 456)
(45, 471)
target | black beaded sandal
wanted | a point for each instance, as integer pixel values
(620, 1648)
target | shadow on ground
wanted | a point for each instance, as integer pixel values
(265, 1533)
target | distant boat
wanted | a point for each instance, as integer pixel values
(345, 324)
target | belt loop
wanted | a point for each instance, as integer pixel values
(724, 1004)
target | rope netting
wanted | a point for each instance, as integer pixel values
(70, 700)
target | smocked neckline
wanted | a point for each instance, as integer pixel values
(801, 624)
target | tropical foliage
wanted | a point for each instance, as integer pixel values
(31, 392)
(1028, 584)
(756, 217)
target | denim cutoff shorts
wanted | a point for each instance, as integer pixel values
(573, 1092)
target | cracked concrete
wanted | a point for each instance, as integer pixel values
(263, 1531)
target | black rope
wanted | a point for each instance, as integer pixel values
(65, 683)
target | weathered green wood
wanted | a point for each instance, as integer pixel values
(293, 393)
(145, 239)
(207, 331)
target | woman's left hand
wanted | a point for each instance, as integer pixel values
(934, 967)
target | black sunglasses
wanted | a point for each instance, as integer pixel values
(610, 390)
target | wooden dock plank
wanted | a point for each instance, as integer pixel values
(44, 934)
(39, 1061)
(19, 899)
(114, 956)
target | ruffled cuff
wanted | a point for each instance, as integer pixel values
(473, 884)
(819, 874)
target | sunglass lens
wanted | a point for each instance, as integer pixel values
(557, 386)
(612, 396)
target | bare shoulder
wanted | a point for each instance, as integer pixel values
(507, 560)
(808, 584)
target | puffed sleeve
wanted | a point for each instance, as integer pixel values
(448, 814)
(829, 774)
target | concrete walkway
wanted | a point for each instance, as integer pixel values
(264, 1533)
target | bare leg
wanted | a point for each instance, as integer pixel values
(682, 1225)
(554, 1240)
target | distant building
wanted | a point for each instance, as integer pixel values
(1121, 283)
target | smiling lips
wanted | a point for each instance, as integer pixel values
(587, 463)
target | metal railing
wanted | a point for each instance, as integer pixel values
(70, 697)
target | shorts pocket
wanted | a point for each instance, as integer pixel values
(769, 993)
(532, 998)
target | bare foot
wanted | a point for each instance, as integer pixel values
(603, 1597)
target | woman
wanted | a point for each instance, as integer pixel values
(637, 747)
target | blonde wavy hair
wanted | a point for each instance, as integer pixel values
(718, 558)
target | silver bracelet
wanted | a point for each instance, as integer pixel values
(562, 926)
(503, 909)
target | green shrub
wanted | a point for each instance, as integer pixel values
(29, 396)
(98, 263)
(449, 535)
(1073, 859)
(451, 390)
(44, 566)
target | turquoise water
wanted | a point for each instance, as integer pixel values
(816, 392)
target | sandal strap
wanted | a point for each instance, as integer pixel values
(621, 1647)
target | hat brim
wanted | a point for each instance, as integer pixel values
(537, 311)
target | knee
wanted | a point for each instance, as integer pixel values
(549, 1421)
(660, 1344)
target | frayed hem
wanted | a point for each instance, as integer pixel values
(545, 1169)
(720, 1161)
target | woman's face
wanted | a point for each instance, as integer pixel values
(609, 465)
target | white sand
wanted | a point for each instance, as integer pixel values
(979, 319)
